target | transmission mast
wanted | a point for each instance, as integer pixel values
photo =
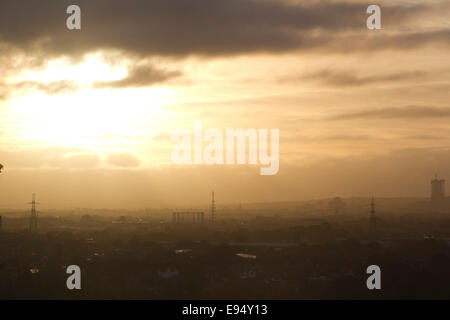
(373, 219)
(33, 216)
(1, 221)
(213, 209)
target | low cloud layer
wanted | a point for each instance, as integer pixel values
(141, 76)
(49, 88)
(124, 160)
(401, 173)
(351, 78)
(408, 112)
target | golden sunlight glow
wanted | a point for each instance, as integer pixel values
(93, 119)
(92, 69)
(83, 119)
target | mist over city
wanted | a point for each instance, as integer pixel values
(203, 150)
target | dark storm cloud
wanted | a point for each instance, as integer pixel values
(141, 76)
(350, 78)
(409, 112)
(200, 27)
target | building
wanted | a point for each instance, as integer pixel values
(336, 206)
(437, 189)
(188, 217)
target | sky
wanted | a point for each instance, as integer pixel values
(87, 116)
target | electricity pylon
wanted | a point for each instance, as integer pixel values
(33, 216)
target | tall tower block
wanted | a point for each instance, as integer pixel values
(437, 189)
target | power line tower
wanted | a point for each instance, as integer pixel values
(213, 209)
(1, 224)
(33, 216)
(373, 219)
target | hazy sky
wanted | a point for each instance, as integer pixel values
(86, 117)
